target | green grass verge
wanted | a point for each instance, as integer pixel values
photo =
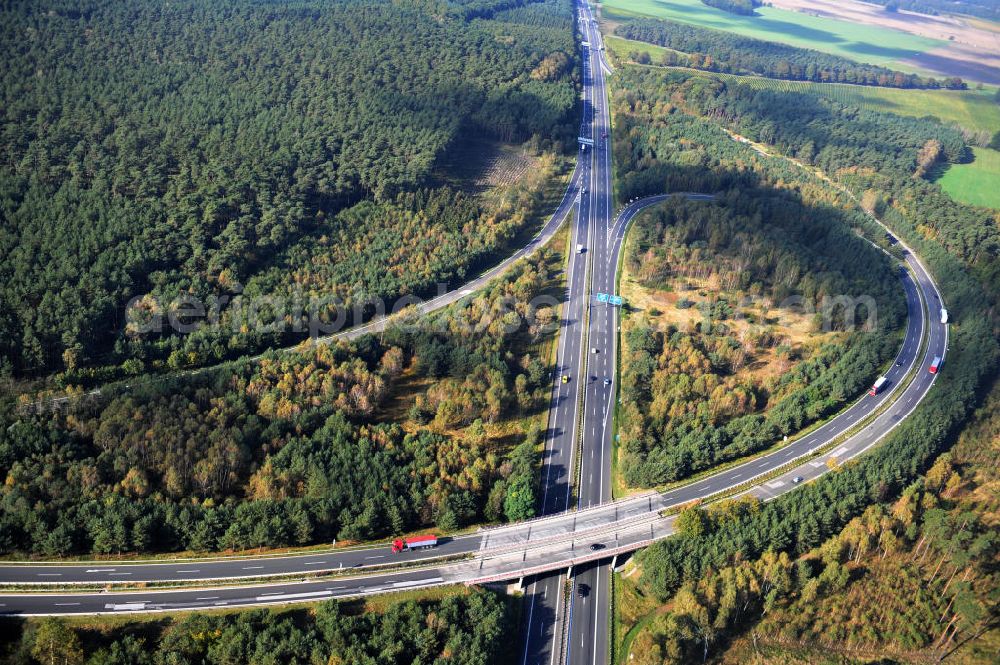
(864, 43)
(621, 47)
(977, 183)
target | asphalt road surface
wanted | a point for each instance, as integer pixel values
(587, 633)
(544, 597)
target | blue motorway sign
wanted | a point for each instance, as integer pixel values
(615, 300)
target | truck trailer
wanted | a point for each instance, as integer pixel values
(935, 366)
(877, 386)
(413, 544)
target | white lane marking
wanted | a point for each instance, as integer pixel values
(252, 567)
(66, 604)
(100, 570)
(208, 598)
(292, 596)
(429, 580)
(314, 563)
(380, 556)
(49, 574)
(119, 573)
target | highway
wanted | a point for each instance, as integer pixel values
(547, 544)
(587, 632)
(491, 541)
(544, 594)
(589, 376)
(563, 539)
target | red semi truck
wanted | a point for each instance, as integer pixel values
(877, 386)
(933, 369)
(414, 543)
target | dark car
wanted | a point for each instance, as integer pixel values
(583, 590)
(597, 546)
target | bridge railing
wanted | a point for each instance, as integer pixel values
(565, 563)
(581, 534)
(583, 511)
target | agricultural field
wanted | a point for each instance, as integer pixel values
(864, 43)
(975, 183)
(971, 51)
(621, 47)
(974, 111)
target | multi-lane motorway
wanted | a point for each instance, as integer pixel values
(576, 467)
(587, 634)
(545, 594)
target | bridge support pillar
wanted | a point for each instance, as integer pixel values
(569, 571)
(620, 561)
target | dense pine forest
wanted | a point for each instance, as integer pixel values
(687, 406)
(464, 628)
(785, 234)
(881, 161)
(158, 150)
(912, 578)
(432, 424)
(235, 149)
(718, 51)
